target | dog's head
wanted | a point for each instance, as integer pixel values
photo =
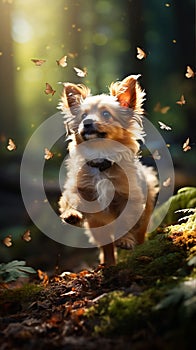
(116, 116)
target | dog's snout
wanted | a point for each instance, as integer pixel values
(88, 123)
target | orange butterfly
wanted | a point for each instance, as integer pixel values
(48, 155)
(162, 110)
(62, 62)
(8, 241)
(49, 90)
(11, 145)
(80, 73)
(186, 147)
(164, 126)
(182, 101)
(38, 62)
(141, 54)
(27, 236)
(189, 72)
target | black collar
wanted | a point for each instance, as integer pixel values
(101, 165)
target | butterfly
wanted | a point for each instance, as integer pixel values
(11, 145)
(38, 62)
(156, 155)
(167, 182)
(47, 154)
(27, 236)
(162, 110)
(8, 241)
(49, 90)
(182, 101)
(80, 73)
(186, 146)
(164, 126)
(141, 54)
(72, 54)
(189, 72)
(62, 62)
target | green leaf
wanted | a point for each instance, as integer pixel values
(13, 270)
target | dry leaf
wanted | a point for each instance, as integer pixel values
(38, 62)
(11, 145)
(182, 101)
(8, 241)
(186, 147)
(49, 90)
(80, 73)
(62, 62)
(189, 72)
(167, 182)
(27, 236)
(164, 126)
(160, 109)
(141, 54)
(47, 154)
(156, 155)
(43, 277)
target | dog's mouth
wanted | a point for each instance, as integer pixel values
(93, 135)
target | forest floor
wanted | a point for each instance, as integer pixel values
(147, 301)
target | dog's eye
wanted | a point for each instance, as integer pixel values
(84, 115)
(106, 114)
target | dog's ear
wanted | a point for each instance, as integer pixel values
(73, 95)
(129, 93)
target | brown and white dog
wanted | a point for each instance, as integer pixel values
(104, 131)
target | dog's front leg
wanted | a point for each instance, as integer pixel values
(69, 214)
(107, 254)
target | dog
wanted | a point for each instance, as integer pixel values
(108, 190)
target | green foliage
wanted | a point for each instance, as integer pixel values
(185, 198)
(13, 270)
(183, 295)
(121, 314)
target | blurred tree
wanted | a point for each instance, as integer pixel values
(7, 74)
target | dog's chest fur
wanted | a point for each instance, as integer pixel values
(105, 186)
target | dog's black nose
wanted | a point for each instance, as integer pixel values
(88, 123)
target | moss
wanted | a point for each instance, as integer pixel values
(153, 261)
(156, 267)
(122, 315)
(24, 294)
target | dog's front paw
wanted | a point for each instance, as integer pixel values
(72, 217)
(125, 243)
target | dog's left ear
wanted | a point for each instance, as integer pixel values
(72, 96)
(129, 93)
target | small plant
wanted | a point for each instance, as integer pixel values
(13, 270)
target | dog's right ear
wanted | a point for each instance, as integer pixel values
(73, 95)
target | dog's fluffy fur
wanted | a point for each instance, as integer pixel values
(90, 122)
